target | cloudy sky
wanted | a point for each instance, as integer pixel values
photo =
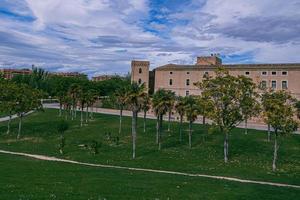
(103, 36)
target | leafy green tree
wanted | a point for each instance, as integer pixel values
(249, 99)
(279, 113)
(180, 109)
(120, 98)
(8, 100)
(224, 93)
(27, 99)
(134, 99)
(191, 109)
(145, 108)
(160, 105)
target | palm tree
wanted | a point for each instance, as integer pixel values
(191, 111)
(120, 96)
(160, 106)
(145, 108)
(171, 101)
(180, 109)
(134, 99)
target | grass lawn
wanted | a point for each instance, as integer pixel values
(31, 179)
(2, 114)
(250, 157)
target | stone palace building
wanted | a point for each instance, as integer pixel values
(181, 78)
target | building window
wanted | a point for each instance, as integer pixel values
(273, 84)
(274, 73)
(284, 73)
(171, 82)
(264, 73)
(188, 73)
(140, 81)
(140, 70)
(171, 72)
(187, 81)
(247, 73)
(284, 85)
(187, 93)
(263, 84)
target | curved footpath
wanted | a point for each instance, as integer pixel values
(47, 158)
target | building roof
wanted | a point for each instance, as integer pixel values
(229, 66)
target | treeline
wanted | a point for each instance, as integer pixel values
(24, 93)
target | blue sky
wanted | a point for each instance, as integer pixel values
(103, 36)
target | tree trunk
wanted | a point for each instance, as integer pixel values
(8, 124)
(133, 131)
(157, 130)
(226, 148)
(87, 115)
(203, 120)
(72, 112)
(169, 121)
(60, 109)
(246, 126)
(145, 115)
(92, 113)
(81, 117)
(20, 127)
(269, 133)
(120, 124)
(75, 112)
(180, 128)
(276, 147)
(190, 134)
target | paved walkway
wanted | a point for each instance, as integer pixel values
(47, 158)
(3, 119)
(251, 124)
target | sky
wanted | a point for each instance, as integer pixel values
(103, 36)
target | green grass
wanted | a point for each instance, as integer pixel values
(31, 179)
(2, 114)
(250, 155)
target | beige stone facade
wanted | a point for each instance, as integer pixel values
(140, 72)
(181, 78)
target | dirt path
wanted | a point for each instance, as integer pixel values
(47, 158)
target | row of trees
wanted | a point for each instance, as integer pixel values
(24, 93)
(225, 99)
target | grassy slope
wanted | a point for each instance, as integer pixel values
(250, 155)
(31, 179)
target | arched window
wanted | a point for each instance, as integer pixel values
(187, 81)
(140, 70)
(171, 82)
(140, 81)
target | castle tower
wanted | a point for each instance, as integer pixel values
(140, 72)
(209, 60)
